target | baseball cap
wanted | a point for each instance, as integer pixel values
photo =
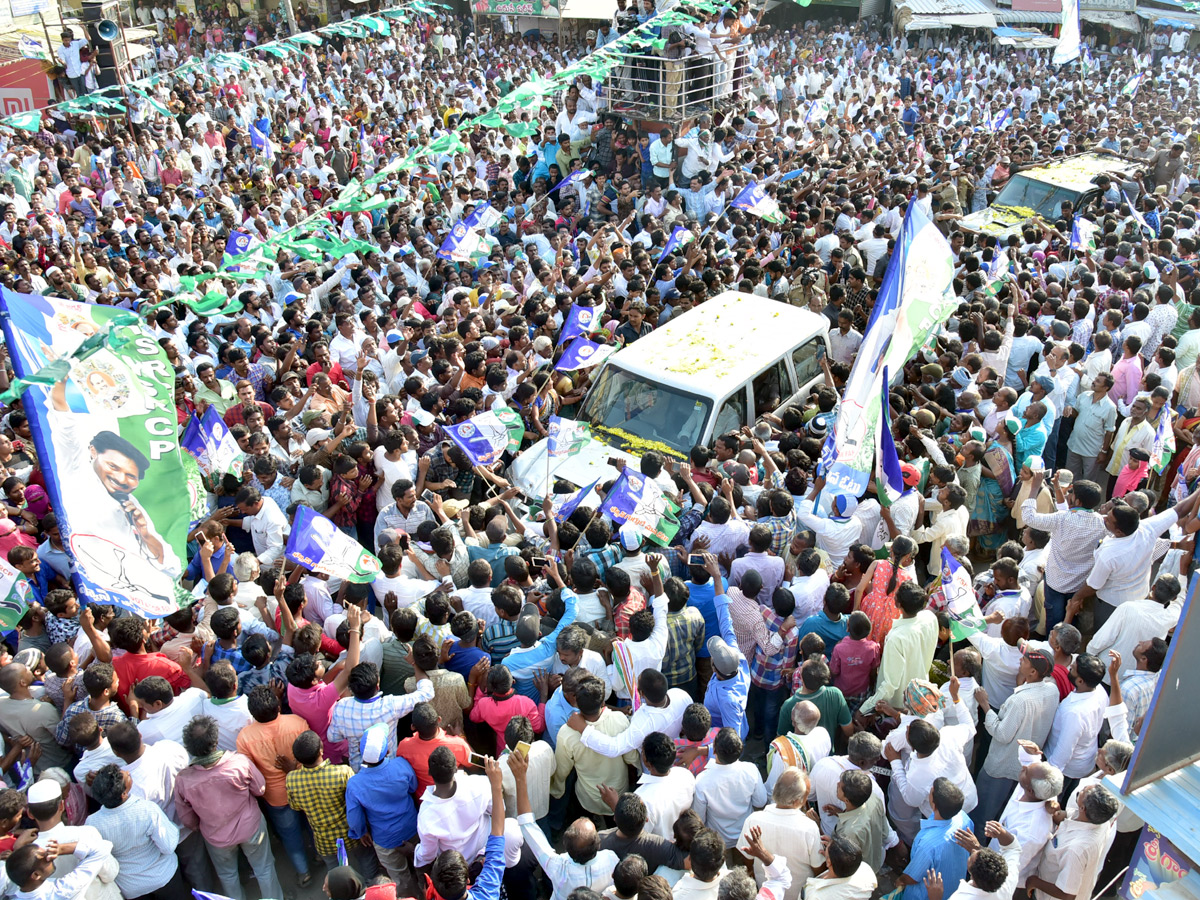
(912, 475)
(422, 417)
(1041, 660)
(724, 657)
(394, 337)
(529, 624)
(843, 506)
(317, 435)
(1045, 382)
(373, 745)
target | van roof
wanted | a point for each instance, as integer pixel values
(726, 341)
(1077, 172)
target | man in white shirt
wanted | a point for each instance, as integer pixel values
(1072, 859)
(1139, 620)
(1072, 743)
(661, 710)
(728, 789)
(991, 874)
(455, 811)
(786, 831)
(69, 54)
(1121, 567)
(268, 527)
(666, 789)
(848, 876)
(1029, 814)
(165, 714)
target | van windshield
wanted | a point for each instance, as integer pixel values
(633, 414)
(1045, 199)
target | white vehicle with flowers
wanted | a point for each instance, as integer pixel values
(707, 372)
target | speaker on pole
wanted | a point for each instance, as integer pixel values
(102, 20)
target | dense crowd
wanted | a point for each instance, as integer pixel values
(773, 704)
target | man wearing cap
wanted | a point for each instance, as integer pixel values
(840, 530)
(1027, 715)
(46, 807)
(379, 805)
(729, 688)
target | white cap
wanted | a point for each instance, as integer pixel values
(44, 791)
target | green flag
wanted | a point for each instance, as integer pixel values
(522, 129)
(15, 596)
(25, 121)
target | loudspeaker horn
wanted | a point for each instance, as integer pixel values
(108, 30)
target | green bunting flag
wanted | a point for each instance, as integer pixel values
(25, 121)
(522, 129)
(307, 37)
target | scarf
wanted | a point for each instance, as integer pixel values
(208, 760)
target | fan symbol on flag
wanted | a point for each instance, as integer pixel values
(466, 429)
(585, 352)
(585, 317)
(242, 241)
(635, 483)
(460, 230)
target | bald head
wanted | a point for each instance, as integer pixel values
(13, 677)
(581, 841)
(805, 717)
(791, 790)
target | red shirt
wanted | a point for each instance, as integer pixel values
(1062, 678)
(418, 751)
(497, 713)
(134, 667)
(334, 373)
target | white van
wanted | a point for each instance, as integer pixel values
(710, 371)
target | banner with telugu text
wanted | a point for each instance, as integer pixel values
(105, 428)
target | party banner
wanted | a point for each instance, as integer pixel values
(1156, 863)
(317, 544)
(105, 429)
(516, 7)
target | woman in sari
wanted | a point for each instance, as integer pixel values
(989, 514)
(876, 593)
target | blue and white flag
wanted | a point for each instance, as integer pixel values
(239, 244)
(209, 440)
(680, 237)
(998, 266)
(755, 200)
(566, 435)
(889, 479)
(640, 501)
(1087, 64)
(1130, 88)
(571, 179)
(818, 111)
(488, 436)
(580, 320)
(1083, 234)
(962, 606)
(563, 512)
(1068, 47)
(261, 142)
(321, 547)
(583, 354)
(791, 176)
(1138, 217)
(466, 238)
(999, 122)
(915, 298)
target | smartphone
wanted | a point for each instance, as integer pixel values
(523, 748)
(820, 351)
(539, 562)
(614, 461)
(427, 495)
(478, 759)
(696, 559)
(402, 541)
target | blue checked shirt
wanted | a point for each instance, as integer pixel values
(234, 657)
(351, 717)
(525, 662)
(766, 669)
(1137, 689)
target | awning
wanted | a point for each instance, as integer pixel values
(1171, 18)
(965, 20)
(1027, 17)
(1124, 21)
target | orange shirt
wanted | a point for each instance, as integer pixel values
(262, 742)
(417, 752)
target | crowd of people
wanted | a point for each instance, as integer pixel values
(773, 705)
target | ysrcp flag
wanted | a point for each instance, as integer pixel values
(754, 200)
(680, 237)
(318, 545)
(106, 434)
(1083, 234)
(209, 440)
(15, 595)
(639, 500)
(582, 354)
(1068, 46)
(568, 506)
(962, 607)
(487, 436)
(889, 478)
(567, 435)
(580, 320)
(914, 299)
(260, 141)
(465, 239)
(238, 244)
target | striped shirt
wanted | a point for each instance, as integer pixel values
(685, 637)
(1074, 536)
